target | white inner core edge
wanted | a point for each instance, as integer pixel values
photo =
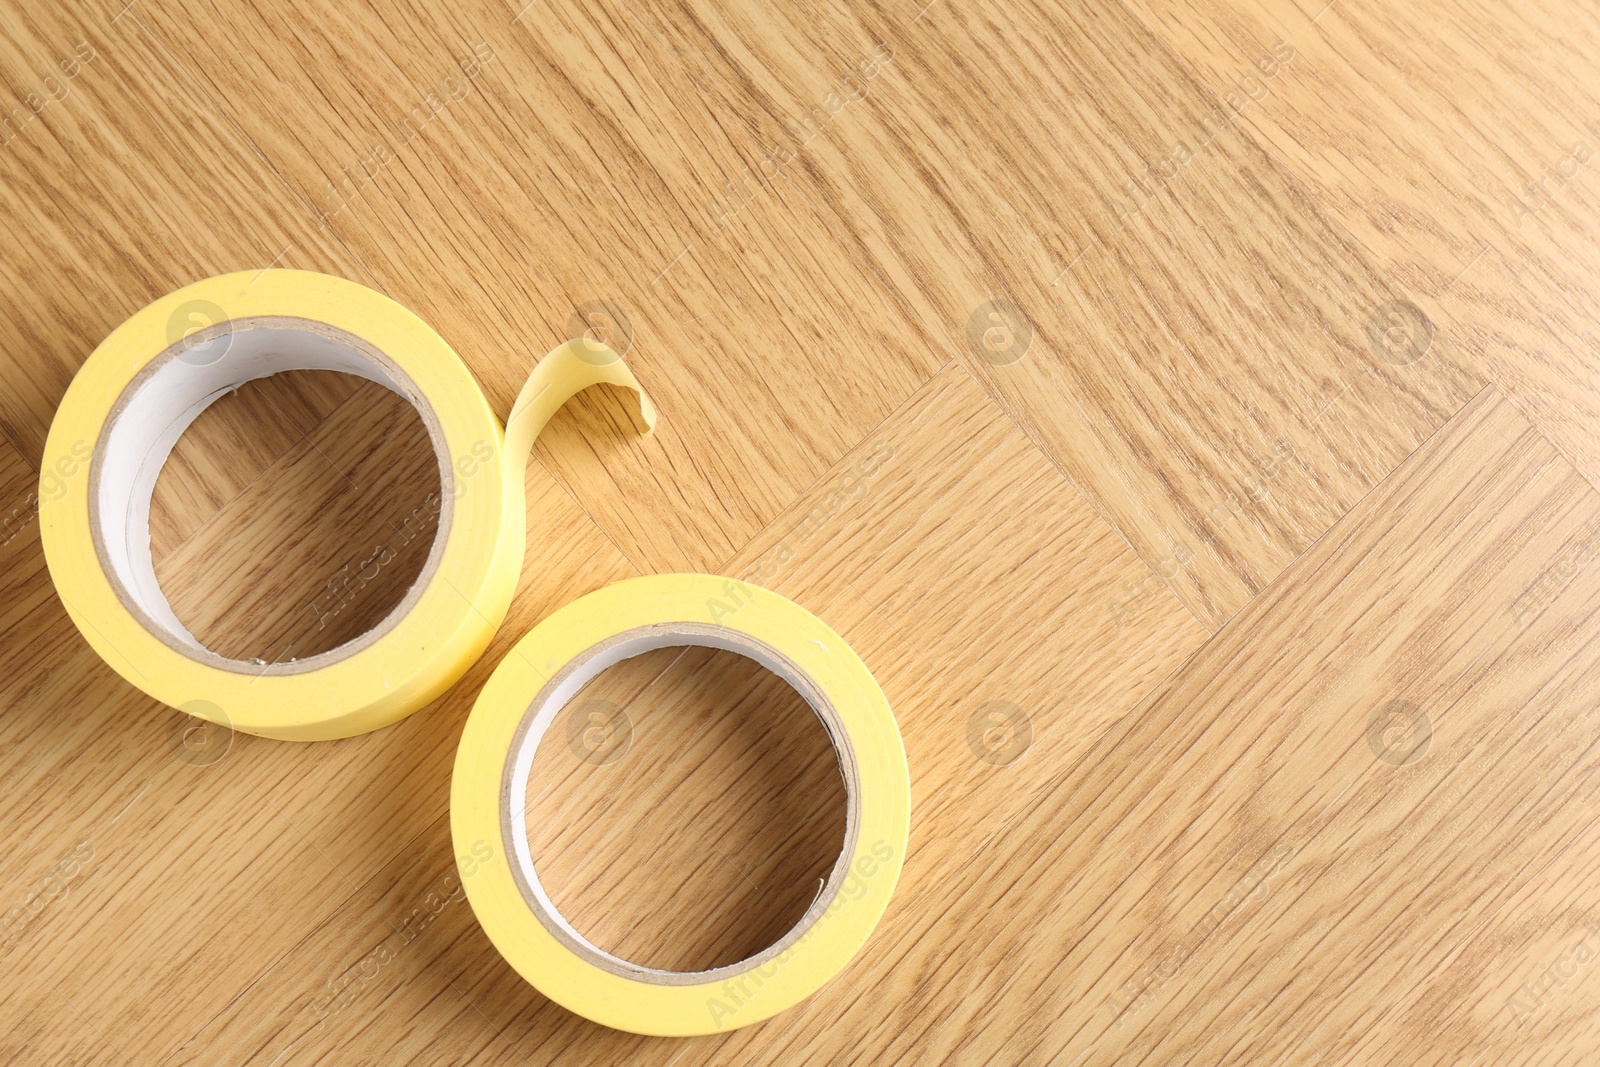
(155, 413)
(515, 815)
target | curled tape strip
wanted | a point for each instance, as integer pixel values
(138, 391)
(488, 797)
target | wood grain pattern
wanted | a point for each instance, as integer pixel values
(650, 749)
(711, 315)
(1199, 328)
(282, 410)
(1243, 644)
(328, 568)
(129, 185)
(1278, 892)
(1455, 140)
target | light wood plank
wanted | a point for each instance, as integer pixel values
(129, 186)
(464, 214)
(336, 532)
(911, 589)
(280, 411)
(1461, 158)
(733, 799)
(1136, 596)
(1235, 877)
(1199, 362)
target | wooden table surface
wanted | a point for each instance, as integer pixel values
(1189, 409)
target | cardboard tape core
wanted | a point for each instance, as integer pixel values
(546, 706)
(160, 404)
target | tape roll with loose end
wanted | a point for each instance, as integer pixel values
(546, 669)
(144, 385)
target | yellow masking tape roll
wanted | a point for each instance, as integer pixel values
(488, 797)
(138, 391)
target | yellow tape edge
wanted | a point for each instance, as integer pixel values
(457, 613)
(485, 858)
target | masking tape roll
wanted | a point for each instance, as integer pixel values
(144, 385)
(488, 797)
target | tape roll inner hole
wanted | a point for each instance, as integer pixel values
(164, 400)
(542, 713)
